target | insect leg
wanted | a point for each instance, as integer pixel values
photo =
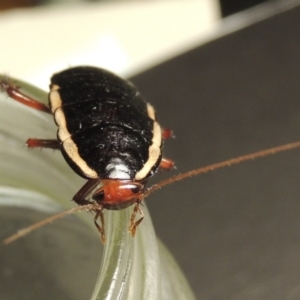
(81, 196)
(43, 143)
(101, 228)
(167, 133)
(81, 199)
(134, 224)
(166, 164)
(14, 92)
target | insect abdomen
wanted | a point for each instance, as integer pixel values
(106, 128)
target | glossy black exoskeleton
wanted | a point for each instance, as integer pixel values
(106, 132)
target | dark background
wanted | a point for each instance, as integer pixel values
(235, 232)
(229, 7)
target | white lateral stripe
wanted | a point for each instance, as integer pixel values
(151, 111)
(64, 135)
(54, 97)
(154, 152)
(72, 151)
(157, 134)
(60, 119)
(58, 114)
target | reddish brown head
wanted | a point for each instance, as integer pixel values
(117, 194)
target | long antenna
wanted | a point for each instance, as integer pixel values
(223, 164)
(152, 189)
(27, 230)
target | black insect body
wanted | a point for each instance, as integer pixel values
(109, 135)
(106, 132)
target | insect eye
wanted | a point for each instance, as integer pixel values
(136, 189)
(99, 196)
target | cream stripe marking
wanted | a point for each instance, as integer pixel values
(154, 149)
(72, 150)
(154, 152)
(65, 136)
(60, 119)
(151, 111)
(54, 97)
